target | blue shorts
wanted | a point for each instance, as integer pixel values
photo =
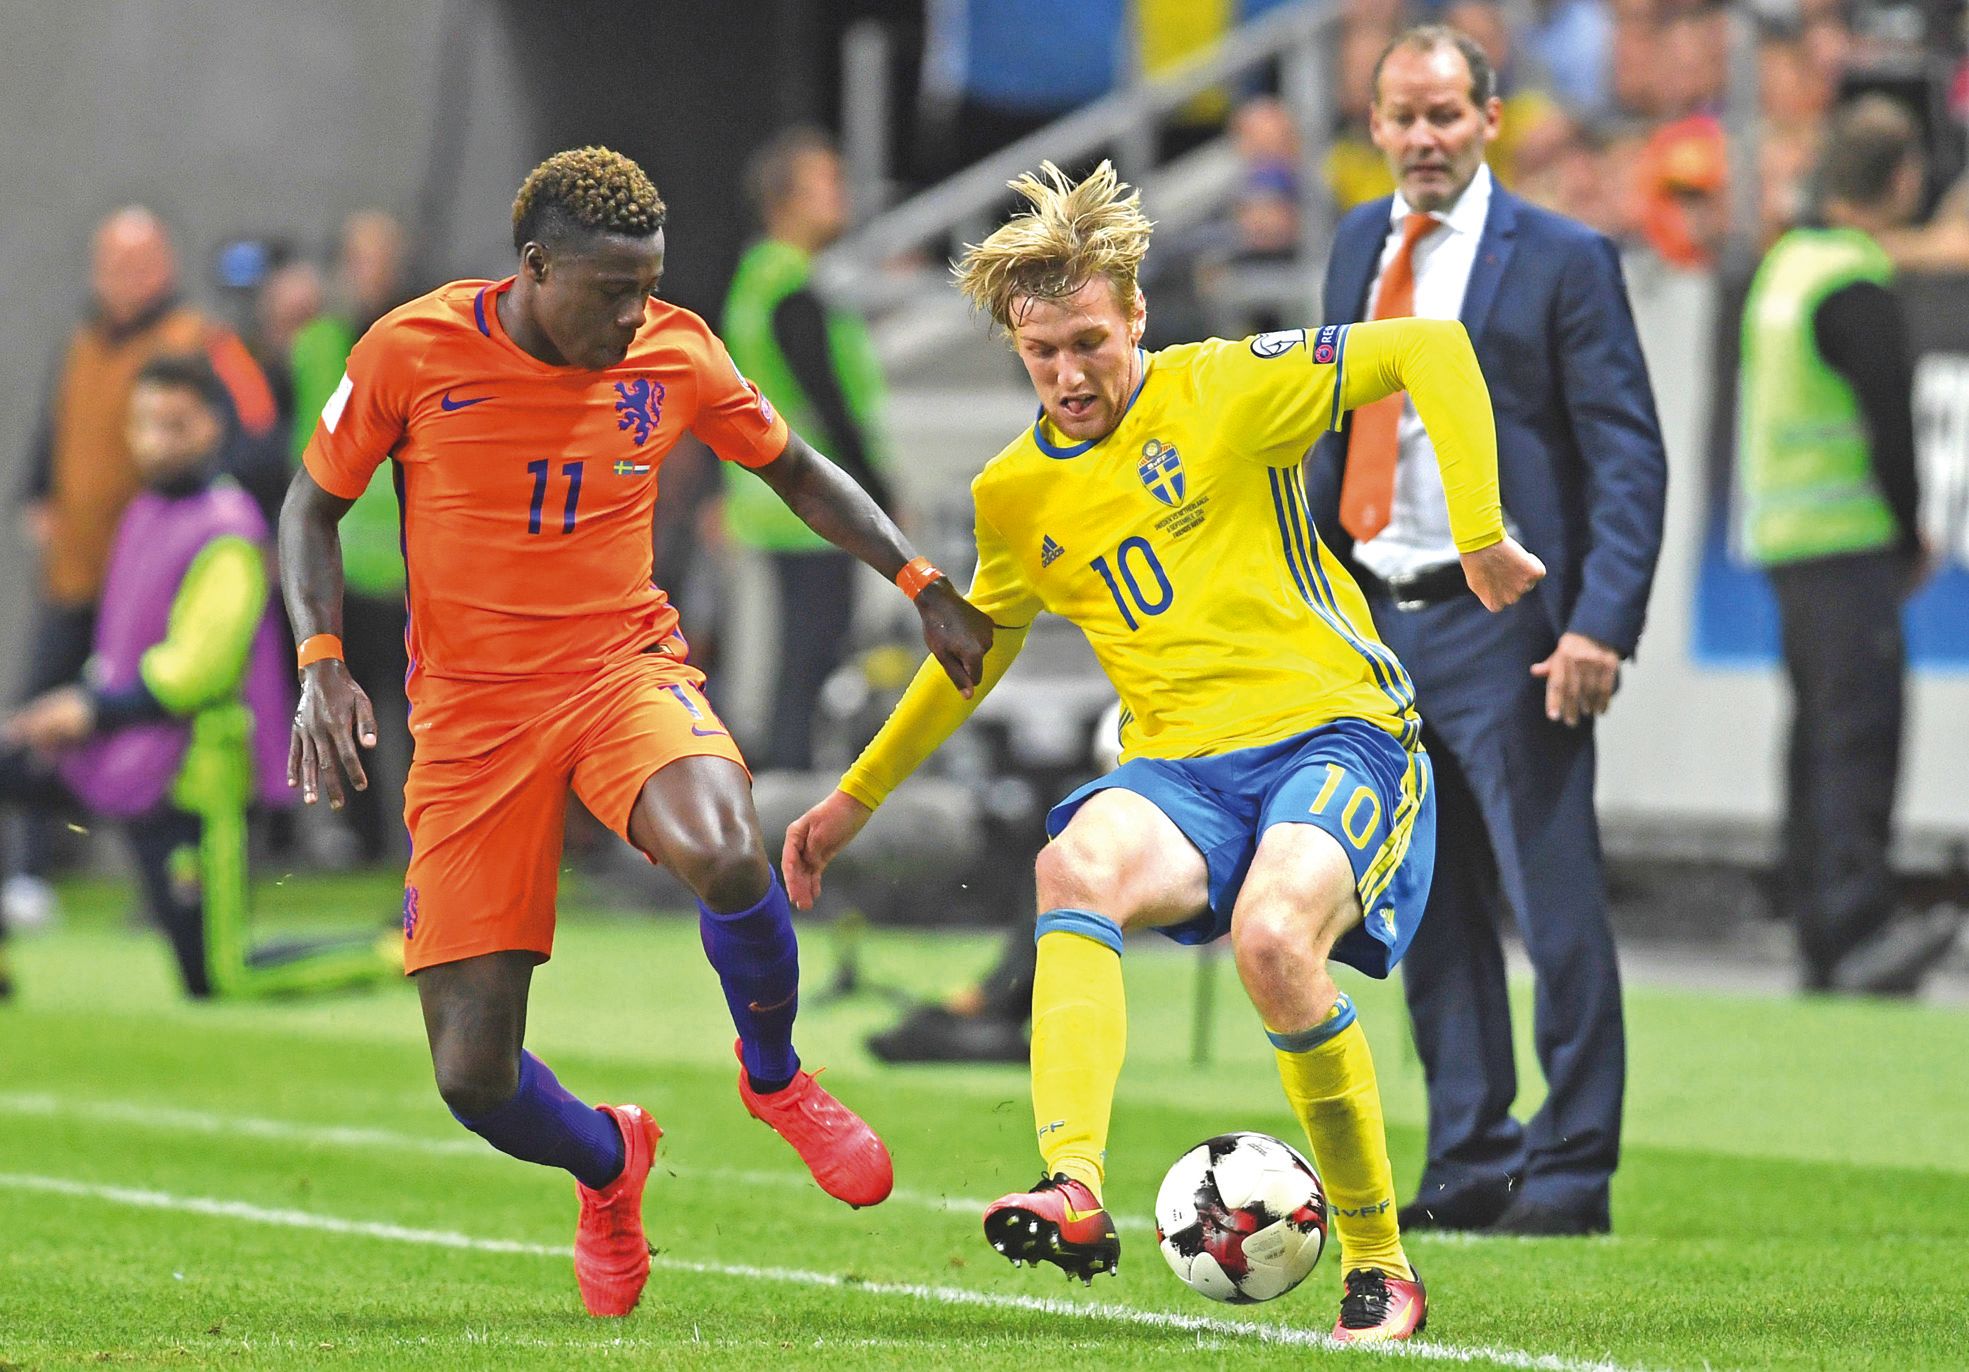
(1349, 778)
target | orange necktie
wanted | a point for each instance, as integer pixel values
(1367, 492)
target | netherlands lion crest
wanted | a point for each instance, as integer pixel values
(640, 406)
(1162, 472)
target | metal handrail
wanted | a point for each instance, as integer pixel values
(943, 209)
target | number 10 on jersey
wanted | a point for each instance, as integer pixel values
(1134, 562)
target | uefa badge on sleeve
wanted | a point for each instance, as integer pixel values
(1278, 343)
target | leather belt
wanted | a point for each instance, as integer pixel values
(1419, 590)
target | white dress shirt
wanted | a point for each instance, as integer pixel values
(1418, 536)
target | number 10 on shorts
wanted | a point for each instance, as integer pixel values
(1362, 813)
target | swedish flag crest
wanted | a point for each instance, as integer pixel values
(1162, 472)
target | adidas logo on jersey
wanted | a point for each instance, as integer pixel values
(1049, 552)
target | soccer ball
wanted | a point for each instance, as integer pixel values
(1241, 1218)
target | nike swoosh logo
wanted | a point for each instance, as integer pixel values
(1398, 1319)
(1076, 1216)
(759, 1009)
(448, 403)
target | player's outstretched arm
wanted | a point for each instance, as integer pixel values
(816, 839)
(335, 713)
(833, 506)
(928, 713)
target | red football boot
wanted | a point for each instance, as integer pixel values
(846, 1157)
(1059, 1221)
(1378, 1308)
(611, 1255)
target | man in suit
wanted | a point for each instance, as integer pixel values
(1508, 700)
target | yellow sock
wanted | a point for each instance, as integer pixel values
(1079, 1037)
(1328, 1074)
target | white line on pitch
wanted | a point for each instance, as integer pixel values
(170, 1119)
(938, 1295)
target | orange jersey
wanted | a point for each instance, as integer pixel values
(526, 492)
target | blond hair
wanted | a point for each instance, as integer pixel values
(1072, 234)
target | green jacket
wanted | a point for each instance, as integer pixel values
(768, 273)
(1805, 467)
(372, 537)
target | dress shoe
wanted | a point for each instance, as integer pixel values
(931, 1033)
(1538, 1220)
(1895, 961)
(1474, 1206)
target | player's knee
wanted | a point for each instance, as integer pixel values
(1282, 939)
(727, 876)
(473, 1085)
(1075, 873)
(1266, 940)
(737, 881)
(720, 855)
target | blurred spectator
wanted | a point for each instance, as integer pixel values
(1380, 16)
(180, 719)
(1355, 170)
(1576, 176)
(80, 472)
(986, 82)
(289, 297)
(816, 362)
(1941, 244)
(1632, 59)
(1167, 34)
(1526, 109)
(369, 282)
(1794, 94)
(1831, 512)
(1572, 42)
(1265, 137)
(1682, 184)
(1231, 274)
(1691, 61)
(1828, 42)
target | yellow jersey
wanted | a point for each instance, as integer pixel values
(1180, 544)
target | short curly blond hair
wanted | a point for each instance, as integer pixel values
(1072, 234)
(595, 189)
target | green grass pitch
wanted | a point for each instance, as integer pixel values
(247, 1186)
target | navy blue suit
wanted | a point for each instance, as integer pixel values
(1583, 476)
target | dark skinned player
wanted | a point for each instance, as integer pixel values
(527, 420)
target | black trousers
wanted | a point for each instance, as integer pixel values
(372, 640)
(29, 786)
(816, 613)
(57, 649)
(1847, 662)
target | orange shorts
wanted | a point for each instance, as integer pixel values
(485, 831)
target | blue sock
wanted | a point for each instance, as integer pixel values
(758, 960)
(543, 1123)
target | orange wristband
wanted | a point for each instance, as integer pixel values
(917, 576)
(319, 648)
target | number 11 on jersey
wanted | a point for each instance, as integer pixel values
(538, 470)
